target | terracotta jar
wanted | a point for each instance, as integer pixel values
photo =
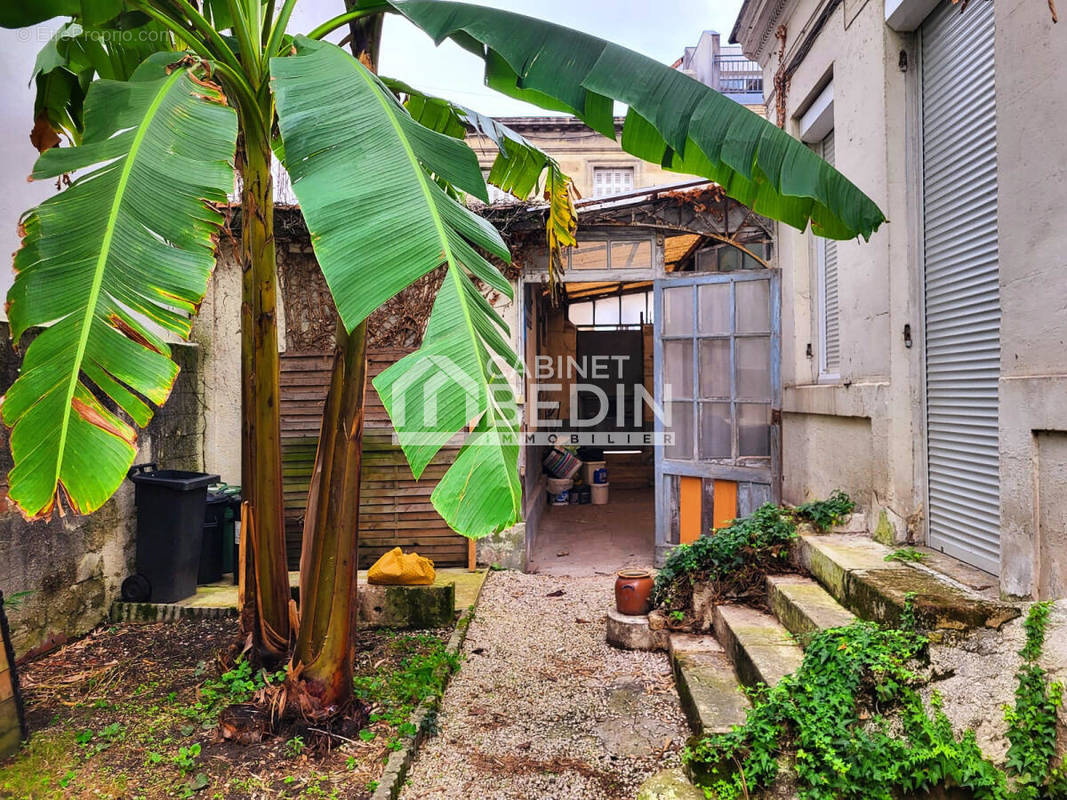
(633, 592)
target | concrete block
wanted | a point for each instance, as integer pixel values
(407, 606)
(803, 606)
(891, 530)
(759, 646)
(506, 549)
(704, 598)
(633, 633)
(856, 522)
(854, 570)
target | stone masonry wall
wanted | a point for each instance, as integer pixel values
(72, 566)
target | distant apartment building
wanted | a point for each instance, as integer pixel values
(724, 68)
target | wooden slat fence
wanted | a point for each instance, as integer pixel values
(395, 509)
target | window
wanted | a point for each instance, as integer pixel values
(828, 309)
(612, 180)
(625, 309)
(611, 253)
(725, 258)
(717, 369)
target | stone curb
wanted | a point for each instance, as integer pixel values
(165, 612)
(423, 719)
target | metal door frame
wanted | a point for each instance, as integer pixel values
(665, 467)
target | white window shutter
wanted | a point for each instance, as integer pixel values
(829, 309)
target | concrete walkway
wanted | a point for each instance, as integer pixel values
(543, 708)
(596, 540)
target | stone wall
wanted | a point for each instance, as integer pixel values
(72, 565)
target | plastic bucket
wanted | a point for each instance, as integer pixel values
(600, 494)
(560, 498)
(557, 485)
(561, 464)
(595, 469)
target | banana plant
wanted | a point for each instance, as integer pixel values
(120, 259)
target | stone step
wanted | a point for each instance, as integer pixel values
(669, 784)
(707, 685)
(804, 607)
(853, 568)
(760, 647)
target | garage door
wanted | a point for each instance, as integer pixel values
(962, 296)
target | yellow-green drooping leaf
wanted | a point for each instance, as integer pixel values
(108, 264)
(673, 120)
(562, 223)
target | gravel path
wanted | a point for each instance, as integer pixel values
(543, 707)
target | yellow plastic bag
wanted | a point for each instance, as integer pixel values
(397, 568)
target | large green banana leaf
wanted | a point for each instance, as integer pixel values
(22, 13)
(673, 120)
(363, 170)
(107, 264)
(73, 57)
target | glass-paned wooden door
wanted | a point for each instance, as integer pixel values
(717, 342)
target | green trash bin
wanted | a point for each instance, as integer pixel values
(218, 554)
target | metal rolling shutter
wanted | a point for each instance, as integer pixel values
(831, 321)
(962, 294)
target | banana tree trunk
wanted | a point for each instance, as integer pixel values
(329, 558)
(261, 452)
(324, 646)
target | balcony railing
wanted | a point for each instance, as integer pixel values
(737, 74)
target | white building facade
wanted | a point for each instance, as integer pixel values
(925, 371)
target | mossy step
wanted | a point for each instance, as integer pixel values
(803, 606)
(854, 570)
(707, 686)
(761, 648)
(669, 784)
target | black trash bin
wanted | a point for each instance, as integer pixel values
(170, 527)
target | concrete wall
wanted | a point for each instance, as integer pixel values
(841, 433)
(73, 565)
(1032, 205)
(865, 432)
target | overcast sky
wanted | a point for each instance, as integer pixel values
(660, 29)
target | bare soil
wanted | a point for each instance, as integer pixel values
(111, 717)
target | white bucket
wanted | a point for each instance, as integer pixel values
(591, 469)
(600, 494)
(559, 485)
